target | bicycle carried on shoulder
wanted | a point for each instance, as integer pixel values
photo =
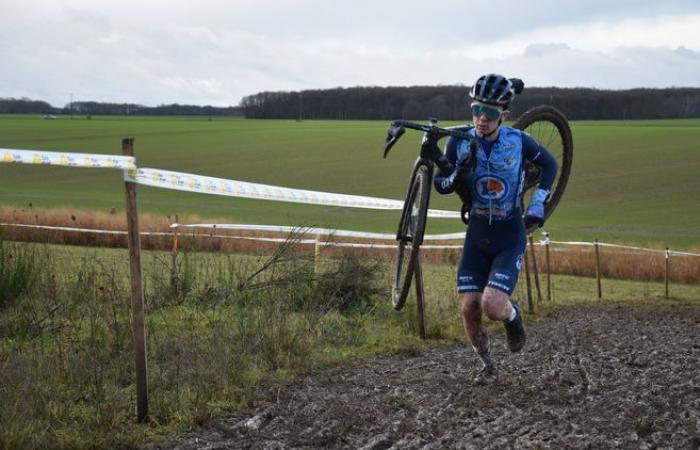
(544, 123)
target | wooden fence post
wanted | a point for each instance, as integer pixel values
(597, 269)
(420, 294)
(317, 255)
(137, 300)
(549, 273)
(530, 306)
(173, 269)
(534, 267)
(667, 271)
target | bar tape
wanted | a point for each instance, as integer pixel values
(220, 186)
(67, 159)
(319, 231)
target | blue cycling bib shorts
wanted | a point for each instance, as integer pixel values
(492, 256)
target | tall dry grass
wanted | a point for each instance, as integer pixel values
(565, 260)
(619, 264)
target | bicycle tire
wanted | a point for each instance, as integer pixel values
(410, 234)
(549, 127)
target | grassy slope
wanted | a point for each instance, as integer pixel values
(209, 351)
(632, 181)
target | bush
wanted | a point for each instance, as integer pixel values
(351, 285)
(19, 269)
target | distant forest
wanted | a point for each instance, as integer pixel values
(27, 106)
(450, 103)
(413, 102)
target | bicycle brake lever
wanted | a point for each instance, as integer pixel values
(393, 133)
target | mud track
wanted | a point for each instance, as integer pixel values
(590, 377)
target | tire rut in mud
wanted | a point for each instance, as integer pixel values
(599, 376)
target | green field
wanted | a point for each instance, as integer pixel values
(632, 181)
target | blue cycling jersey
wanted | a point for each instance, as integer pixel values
(497, 179)
(494, 245)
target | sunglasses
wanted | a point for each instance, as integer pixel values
(490, 112)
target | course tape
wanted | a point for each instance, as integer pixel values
(9, 155)
(203, 184)
(83, 230)
(317, 231)
(220, 186)
(223, 236)
(628, 247)
(316, 241)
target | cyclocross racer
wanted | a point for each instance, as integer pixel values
(491, 181)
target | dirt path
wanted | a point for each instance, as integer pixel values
(591, 377)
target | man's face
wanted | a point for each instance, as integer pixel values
(485, 117)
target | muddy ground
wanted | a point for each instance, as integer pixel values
(591, 377)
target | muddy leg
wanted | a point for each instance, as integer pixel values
(496, 304)
(474, 328)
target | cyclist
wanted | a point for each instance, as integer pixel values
(490, 179)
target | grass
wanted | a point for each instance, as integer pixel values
(224, 326)
(632, 181)
(229, 325)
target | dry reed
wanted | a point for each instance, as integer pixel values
(566, 260)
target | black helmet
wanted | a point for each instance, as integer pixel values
(496, 90)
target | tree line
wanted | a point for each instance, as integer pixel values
(28, 106)
(412, 102)
(451, 103)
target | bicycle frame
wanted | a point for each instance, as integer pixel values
(412, 223)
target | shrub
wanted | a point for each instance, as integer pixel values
(351, 285)
(19, 268)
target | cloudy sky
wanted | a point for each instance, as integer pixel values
(217, 51)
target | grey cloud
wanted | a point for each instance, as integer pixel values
(688, 53)
(215, 52)
(624, 68)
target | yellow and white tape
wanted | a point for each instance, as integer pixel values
(9, 155)
(220, 186)
(203, 184)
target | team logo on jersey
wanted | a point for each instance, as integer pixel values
(491, 188)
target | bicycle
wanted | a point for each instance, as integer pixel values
(545, 123)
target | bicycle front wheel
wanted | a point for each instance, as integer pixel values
(410, 234)
(550, 128)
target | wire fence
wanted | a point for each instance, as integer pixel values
(599, 259)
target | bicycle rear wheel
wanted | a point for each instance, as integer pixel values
(410, 234)
(550, 128)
